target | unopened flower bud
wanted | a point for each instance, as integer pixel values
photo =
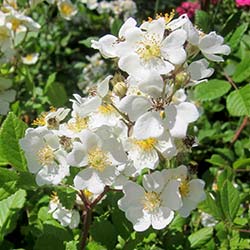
(181, 78)
(120, 89)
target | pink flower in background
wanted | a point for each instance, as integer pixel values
(188, 8)
(242, 3)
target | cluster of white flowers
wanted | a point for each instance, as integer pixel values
(125, 8)
(14, 27)
(65, 7)
(118, 132)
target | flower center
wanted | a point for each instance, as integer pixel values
(79, 124)
(151, 201)
(15, 23)
(184, 188)
(98, 159)
(106, 109)
(46, 155)
(146, 145)
(149, 48)
(66, 9)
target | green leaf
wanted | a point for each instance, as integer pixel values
(87, 42)
(56, 93)
(242, 70)
(237, 36)
(229, 200)
(202, 20)
(212, 206)
(217, 160)
(9, 210)
(12, 130)
(227, 174)
(71, 245)
(211, 90)
(67, 196)
(116, 25)
(230, 23)
(241, 163)
(106, 237)
(8, 179)
(238, 101)
(95, 246)
(200, 237)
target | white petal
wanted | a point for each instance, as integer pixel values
(134, 194)
(78, 156)
(141, 220)
(161, 218)
(148, 125)
(153, 182)
(170, 196)
(196, 190)
(89, 179)
(103, 87)
(134, 106)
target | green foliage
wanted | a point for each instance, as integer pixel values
(238, 102)
(202, 20)
(9, 209)
(11, 131)
(200, 237)
(212, 89)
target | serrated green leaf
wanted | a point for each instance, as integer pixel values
(242, 70)
(12, 130)
(202, 20)
(56, 94)
(238, 102)
(200, 237)
(237, 36)
(212, 206)
(9, 210)
(229, 200)
(211, 90)
(227, 174)
(106, 237)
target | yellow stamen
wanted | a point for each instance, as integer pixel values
(151, 201)
(149, 48)
(184, 188)
(98, 159)
(46, 155)
(79, 124)
(146, 145)
(41, 120)
(66, 9)
(106, 109)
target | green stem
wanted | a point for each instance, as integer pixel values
(157, 2)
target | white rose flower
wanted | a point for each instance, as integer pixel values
(150, 204)
(191, 191)
(44, 156)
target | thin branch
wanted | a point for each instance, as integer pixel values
(239, 130)
(230, 80)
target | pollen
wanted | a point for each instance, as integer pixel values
(15, 23)
(54, 197)
(40, 121)
(98, 159)
(66, 9)
(106, 109)
(46, 155)
(146, 145)
(149, 48)
(79, 124)
(151, 201)
(184, 188)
